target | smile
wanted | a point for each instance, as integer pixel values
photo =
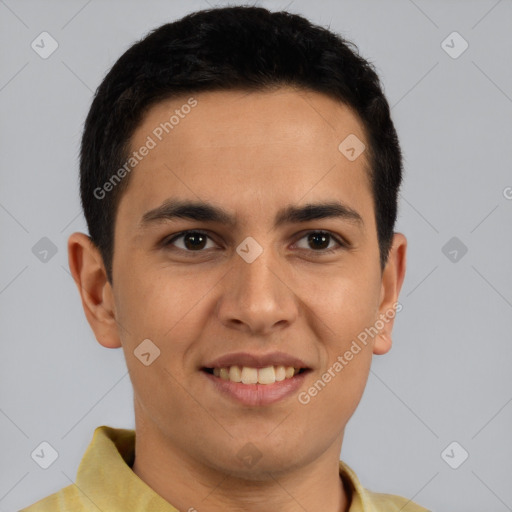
(255, 387)
(250, 375)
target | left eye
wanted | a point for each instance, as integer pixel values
(194, 241)
(322, 238)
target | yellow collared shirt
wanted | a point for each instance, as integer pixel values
(105, 482)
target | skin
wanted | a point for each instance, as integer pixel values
(250, 153)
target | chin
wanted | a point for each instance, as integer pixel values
(261, 471)
(257, 461)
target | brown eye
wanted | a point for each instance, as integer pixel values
(193, 241)
(319, 241)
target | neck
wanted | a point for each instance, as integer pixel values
(189, 485)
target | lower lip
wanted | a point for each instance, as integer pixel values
(257, 394)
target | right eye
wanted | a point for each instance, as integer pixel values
(193, 241)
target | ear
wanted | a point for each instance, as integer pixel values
(392, 279)
(89, 274)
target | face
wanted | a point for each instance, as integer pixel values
(254, 285)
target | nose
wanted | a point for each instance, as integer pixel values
(257, 297)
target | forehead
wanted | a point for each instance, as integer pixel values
(237, 146)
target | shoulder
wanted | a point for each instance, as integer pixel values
(364, 500)
(66, 500)
(392, 503)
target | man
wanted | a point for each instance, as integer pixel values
(239, 178)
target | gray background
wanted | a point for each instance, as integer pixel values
(448, 375)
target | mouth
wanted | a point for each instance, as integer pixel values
(256, 380)
(251, 375)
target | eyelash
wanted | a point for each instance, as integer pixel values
(341, 245)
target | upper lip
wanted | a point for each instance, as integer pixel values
(256, 360)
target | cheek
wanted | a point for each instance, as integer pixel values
(153, 306)
(333, 395)
(344, 315)
(149, 308)
(346, 303)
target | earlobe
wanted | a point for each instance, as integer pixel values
(392, 279)
(88, 271)
(383, 344)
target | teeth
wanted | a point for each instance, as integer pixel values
(280, 373)
(235, 374)
(248, 375)
(267, 375)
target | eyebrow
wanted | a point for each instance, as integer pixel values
(207, 212)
